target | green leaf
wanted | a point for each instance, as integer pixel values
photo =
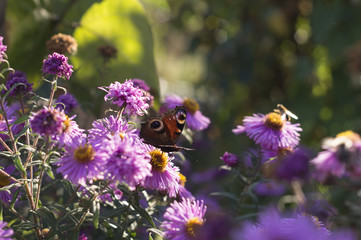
(15, 196)
(120, 24)
(143, 213)
(96, 211)
(47, 216)
(49, 172)
(225, 194)
(19, 165)
(21, 119)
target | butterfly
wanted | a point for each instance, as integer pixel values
(163, 132)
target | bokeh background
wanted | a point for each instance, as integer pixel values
(235, 57)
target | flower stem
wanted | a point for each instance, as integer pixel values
(53, 89)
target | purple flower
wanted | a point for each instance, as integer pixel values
(183, 192)
(57, 64)
(70, 131)
(66, 102)
(5, 234)
(47, 121)
(133, 99)
(24, 86)
(142, 85)
(11, 114)
(127, 161)
(81, 161)
(195, 119)
(165, 176)
(183, 219)
(272, 226)
(2, 49)
(83, 237)
(340, 157)
(271, 131)
(230, 159)
(286, 164)
(103, 129)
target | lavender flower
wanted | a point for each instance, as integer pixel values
(2, 49)
(81, 161)
(183, 192)
(5, 234)
(183, 219)
(272, 226)
(127, 161)
(271, 188)
(271, 131)
(133, 99)
(165, 176)
(66, 102)
(69, 132)
(47, 121)
(11, 114)
(103, 129)
(57, 64)
(340, 157)
(195, 119)
(230, 159)
(15, 78)
(144, 86)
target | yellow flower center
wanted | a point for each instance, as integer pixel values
(274, 121)
(191, 105)
(350, 135)
(121, 135)
(84, 154)
(182, 179)
(4, 180)
(159, 160)
(66, 124)
(1, 117)
(192, 225)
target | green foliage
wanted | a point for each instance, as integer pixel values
(122, 25)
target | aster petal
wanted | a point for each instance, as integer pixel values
(197, 121)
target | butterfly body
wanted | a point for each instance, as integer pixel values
(163, 132)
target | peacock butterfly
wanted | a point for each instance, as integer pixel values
(163, 132)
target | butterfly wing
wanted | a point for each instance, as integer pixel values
(166, 130)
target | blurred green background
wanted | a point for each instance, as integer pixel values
(235, 57)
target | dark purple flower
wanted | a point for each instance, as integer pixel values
(183, 219)
(57, 64)
(24, 86)
(81, 161)
(66, 102)
(5, 234)
(195, 119)
(218, 225)
(133, 99)
(47, 121)
(270, 188)
(2, 49)
(271, 131)
(230, 159)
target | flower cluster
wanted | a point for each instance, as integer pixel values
(66, 102)
(23, 86)
(57, 64)
(125, 95)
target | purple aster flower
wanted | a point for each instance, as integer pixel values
(47, 121)
(5, 234)
(340, 157)
(195, 119)
(183, 219)
(81, 161)
(133, 99)
(57, 64)
(83, 237)
(230, 159)
(286, 164)
(165, 176)
(11, 114)
(218, 226)
(2, 49)
(127, 161)
(103, 129)
(272, 226)
(142, 85)
(66, 102)
(271, 131)
(24, 86)
(70, 131)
